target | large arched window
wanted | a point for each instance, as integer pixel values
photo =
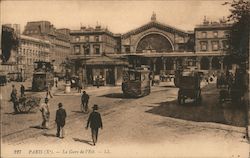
(154, 42)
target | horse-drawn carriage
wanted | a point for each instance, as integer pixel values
(189, 86)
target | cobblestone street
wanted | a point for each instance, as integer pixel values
(144, 125)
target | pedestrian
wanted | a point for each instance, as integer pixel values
(14, 99)
(95, 122)
(79, 86)
(85, 101)
(60, 120)
(97, 81)
(56, 82)
(45, 113)
(13, 92)
(49, 91)
(22, 90)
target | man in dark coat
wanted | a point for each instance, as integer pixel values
(97, 81)
(95, 122)
(60, 120)
(85, 101)
(79, 86)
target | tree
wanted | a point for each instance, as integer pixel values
(9, 41)
(239, 36)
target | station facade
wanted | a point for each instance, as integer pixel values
(162, 47)
(165, 48)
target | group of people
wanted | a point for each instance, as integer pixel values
(77, 83)
(94, 120)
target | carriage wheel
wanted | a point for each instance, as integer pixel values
(31, 104)
(22, 107)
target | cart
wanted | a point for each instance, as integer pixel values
(189, 86)
(28, 103)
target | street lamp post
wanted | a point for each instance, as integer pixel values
(85, 66)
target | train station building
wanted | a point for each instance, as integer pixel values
(162, 47)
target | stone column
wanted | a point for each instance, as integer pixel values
(185, 62)
(221, 64)
(164, 64)
(84, 77)
(81, 73)
(210, 63)
(81, 49)
(154, 66)
(91, 49)
(104, 76)
(115, 71)
(174, 62)
(198, 62)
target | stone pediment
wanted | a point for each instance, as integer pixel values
(158, 25)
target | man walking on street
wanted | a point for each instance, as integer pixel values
(45, 113)
(97, 81)
(79, 86)
(49, 87)
(95, 122)
(85, 101)
(60, 120)
(22, 90)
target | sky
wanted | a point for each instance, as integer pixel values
(118, 16)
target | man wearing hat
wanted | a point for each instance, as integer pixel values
(85, 101)
(45, 113)
(95, 122)
(60, 120)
